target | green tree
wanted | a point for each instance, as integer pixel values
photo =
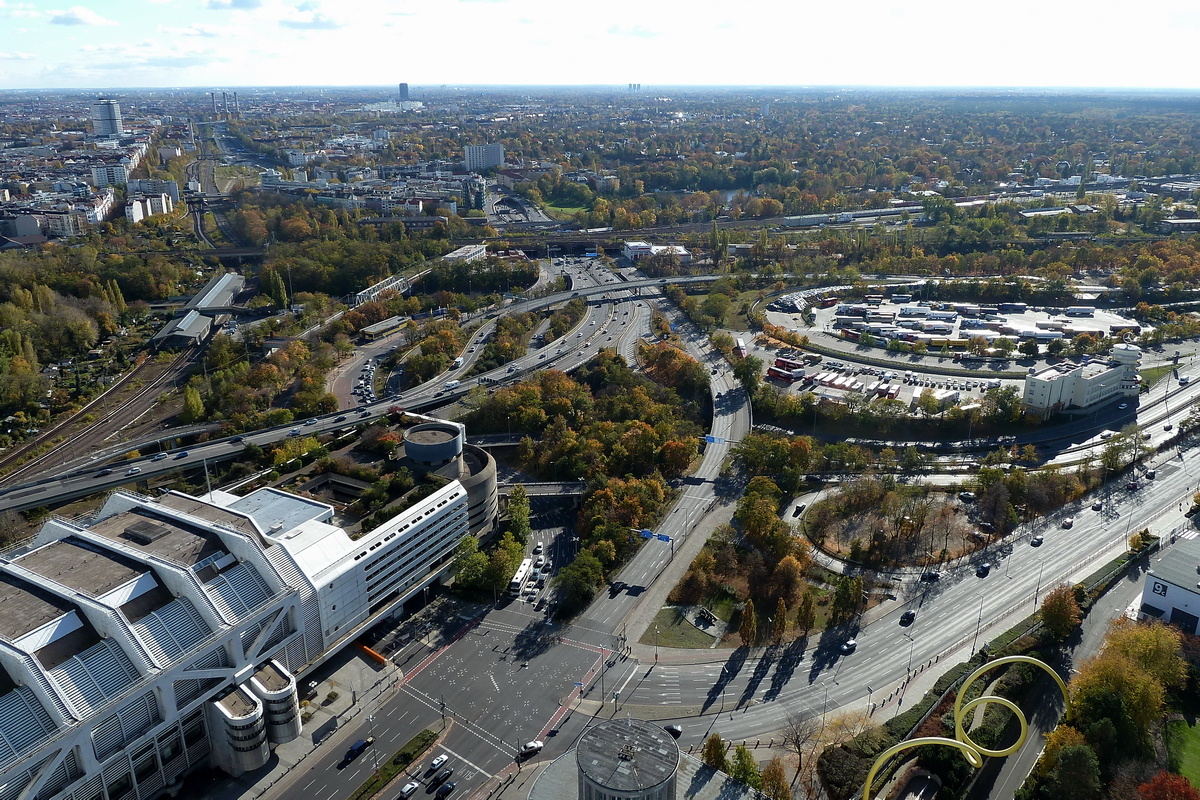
(1076, 776)
(1060, 613)
(749, 372)
(193, 406)
(749, 627)
(1029, 347)
(577, 582)
(714, 753)
(518, 514)
(744, 768)
(470, 565)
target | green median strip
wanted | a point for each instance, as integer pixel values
(389, 769)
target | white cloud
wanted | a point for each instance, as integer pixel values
(308, 16)
(19, 10)
(195, 29)
(78, 15)
(237, 4)
(17, 56)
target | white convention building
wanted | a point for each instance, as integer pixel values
(161, 635)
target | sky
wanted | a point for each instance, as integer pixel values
(214, 44)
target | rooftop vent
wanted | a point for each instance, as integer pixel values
(143, 532)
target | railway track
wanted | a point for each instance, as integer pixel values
(80, 437)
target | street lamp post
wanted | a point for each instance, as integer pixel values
(655, 644)
(1038, 590)
(978, 625)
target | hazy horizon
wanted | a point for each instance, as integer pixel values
(925, 44)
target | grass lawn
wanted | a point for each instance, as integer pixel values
(675, 631)
(563, 211)
(1183, 748)
(1153, 375)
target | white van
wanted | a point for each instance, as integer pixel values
(452, 384)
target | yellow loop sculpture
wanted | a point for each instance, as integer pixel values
(973, 752)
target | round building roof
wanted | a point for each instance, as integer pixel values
(431, 433)
(627, 755)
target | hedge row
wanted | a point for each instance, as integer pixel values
(396, 764)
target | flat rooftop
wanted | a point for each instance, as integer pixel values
(1180, 565)
(77, 566)
(627, 755)
(694, 781)
(271, 507)
(431, 435)
(271, 678)
(27, 607)
(238, 704)
(207, 511)
(157, 537)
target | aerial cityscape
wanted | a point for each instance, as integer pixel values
(769, 431)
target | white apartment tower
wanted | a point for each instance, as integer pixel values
(479, 157)
(106, 118)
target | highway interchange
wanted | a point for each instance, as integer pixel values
(507, 676)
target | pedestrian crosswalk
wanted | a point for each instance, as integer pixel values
(1189, 534)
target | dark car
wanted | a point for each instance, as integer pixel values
(983, 569)
(444, 775)
(359, 747)
(930, 577)
(907, 617)
(616, 587)
(445, 789)
(674, 730)
(1036, 541)
(342, 418)
(104, 472)
(237, 440)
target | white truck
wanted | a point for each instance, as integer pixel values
(453, 384)
(458, 362)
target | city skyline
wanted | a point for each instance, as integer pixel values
(207, 43)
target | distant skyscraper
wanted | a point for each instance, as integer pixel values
(404, 93)
(106, 118)
(481, 156)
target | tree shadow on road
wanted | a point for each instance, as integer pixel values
(792, 655)
(730, 670)
(535, 639)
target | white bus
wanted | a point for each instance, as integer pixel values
(514, 586)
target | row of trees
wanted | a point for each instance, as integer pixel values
(1120, 696)
(771, 781)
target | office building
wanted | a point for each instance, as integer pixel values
(403, 94)
(479, 157)
(160, 636)
(106, 118)
(1170, 593)
(1070, 386)
(109, 175)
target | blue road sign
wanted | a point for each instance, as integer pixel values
(647, 534)
(662, 537)
(714, 440)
